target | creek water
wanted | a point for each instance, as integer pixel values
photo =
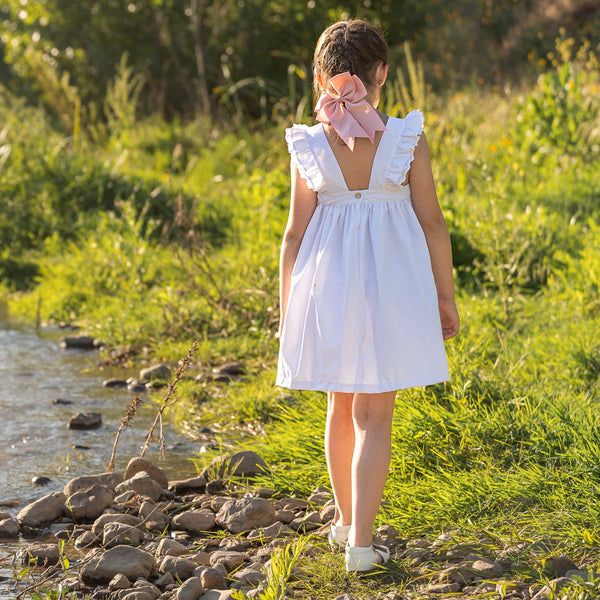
(41, 387)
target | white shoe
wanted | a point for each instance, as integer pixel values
(338, 535)
(359, 558)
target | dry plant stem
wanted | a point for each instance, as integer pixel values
(134, 403)
(168, 398)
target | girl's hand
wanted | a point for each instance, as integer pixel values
(449, 318)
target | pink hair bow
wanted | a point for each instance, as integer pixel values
(348, 112)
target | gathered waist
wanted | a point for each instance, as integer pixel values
(363, 197)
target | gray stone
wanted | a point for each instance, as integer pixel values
(249, 576)
(231, 368)
(246, 514)
(211, 578)
(81, 484)
(178, 567)
(191, 590)
(147, 587)
(486, 567)
(561, 564)
(443, 588)
(119, 582)
(169, 547)
(40, 554)
(89, 505)
(142, 484)
(89, 420)
(137, 595)
(241, 464)
(285, 516)
(160, 371)
(164, 580)
(549, 591)
(273, 531)
(80, 342)
(195, 521)
(43, 511)
(191, 485)
(9, 528)
(40, 480)
(114, 382)
(102, 520)
(100, 567)
(154, 518)
(86, 540)
(137, 465)
(230, 560)
(116, 534)
(217, 595)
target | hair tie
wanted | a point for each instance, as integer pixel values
(347, 111)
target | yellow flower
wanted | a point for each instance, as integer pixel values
(493, 147)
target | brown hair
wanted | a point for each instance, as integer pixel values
(355, 46)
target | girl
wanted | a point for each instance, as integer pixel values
(366, 288)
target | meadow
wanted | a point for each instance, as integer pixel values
(150, 235)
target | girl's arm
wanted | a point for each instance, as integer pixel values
(302, 206)
(429, 214)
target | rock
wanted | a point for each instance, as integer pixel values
(191, 590)
(102, 520)
(576, 574)
(137, 387)
(40, 554)
(560, 565)
(231, 368)
(136, 465)
(90, 420)
(9, 528)
(81, 342)
(114, 382)
(137, 595)
(169, 547)
(146, 586)
(43, 511)
(179, 567)
(291, 504)
(89, 505)
(549, 591)
(241, 464)
(230, 560)
(309, 522)
(164, 580)
(119, 582)
(319, 498)
(327, 513)
(81, 484)
(160, 371)
(40, 480)
(486, 567)
(154, 518)
(273, 531)
(285, 516)
(100, 567)
(249, 576)
(211, 578)
(195, 521)
(246, 514)
(142, 484)
(116, 534)
(185, 486)
(86, 540)
(217, 595)
(215, 486)
(61, 402)
(443, 588)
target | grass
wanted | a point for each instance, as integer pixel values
(178, 241)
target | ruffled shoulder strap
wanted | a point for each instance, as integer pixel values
(404, 153)
(299, 139)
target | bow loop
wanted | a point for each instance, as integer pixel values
(347, 111)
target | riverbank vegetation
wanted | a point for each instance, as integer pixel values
(151, 233)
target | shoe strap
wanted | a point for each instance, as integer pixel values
(381, 552)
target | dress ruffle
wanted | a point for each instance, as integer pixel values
(299, 148)
(405, 148)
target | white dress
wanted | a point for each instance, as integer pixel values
(362, 312)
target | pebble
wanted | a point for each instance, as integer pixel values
(90, 420)
(81, 342)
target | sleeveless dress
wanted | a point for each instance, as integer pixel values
(362, 312)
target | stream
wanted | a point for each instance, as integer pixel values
(41, 387)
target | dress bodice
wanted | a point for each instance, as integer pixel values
(318, 165)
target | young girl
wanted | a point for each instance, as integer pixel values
(366, 288)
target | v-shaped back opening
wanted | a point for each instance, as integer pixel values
(376, 143)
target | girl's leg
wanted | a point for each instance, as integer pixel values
(372, 417)
(339, 447)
